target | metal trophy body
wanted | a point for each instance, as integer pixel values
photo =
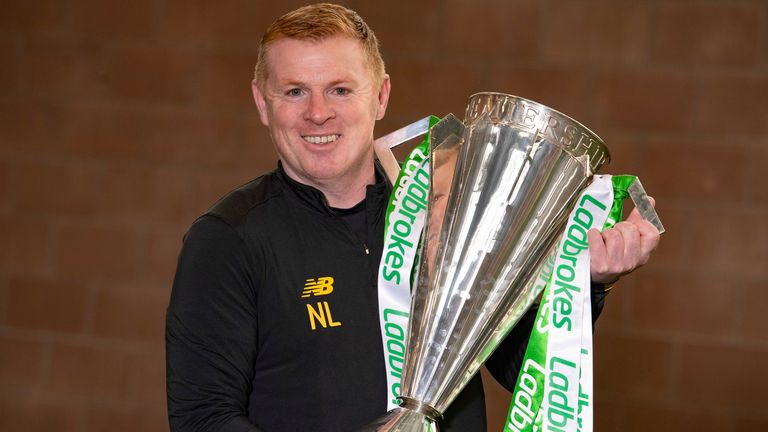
(504, 181)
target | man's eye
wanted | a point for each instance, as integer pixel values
(340, 91)
(294, 92)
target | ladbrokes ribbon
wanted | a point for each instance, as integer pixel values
(554, 387)
(402, 232)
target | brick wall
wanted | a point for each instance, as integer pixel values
(120, 122)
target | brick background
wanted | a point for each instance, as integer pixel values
(119, 123)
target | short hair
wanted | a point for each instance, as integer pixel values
(317, 22)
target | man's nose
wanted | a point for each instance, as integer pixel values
(319, 110)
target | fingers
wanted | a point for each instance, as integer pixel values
(623, 248)
(599, 266)
(649, 234)
(619, 250)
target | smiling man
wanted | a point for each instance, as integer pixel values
(273, 319)
(320, 100)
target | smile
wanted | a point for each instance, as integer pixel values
(320, 139)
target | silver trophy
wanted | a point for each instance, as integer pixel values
(503, 184)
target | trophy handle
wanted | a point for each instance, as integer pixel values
(644, 206)
(383, 146)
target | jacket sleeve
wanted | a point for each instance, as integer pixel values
(504, 363)
(211, 334)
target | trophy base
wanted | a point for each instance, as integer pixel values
(402, 420)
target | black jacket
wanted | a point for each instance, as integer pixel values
(256, 339)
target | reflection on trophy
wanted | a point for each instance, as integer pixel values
(503, 183)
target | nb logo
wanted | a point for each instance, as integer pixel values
(317, 287)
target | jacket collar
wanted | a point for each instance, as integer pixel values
(315, 199)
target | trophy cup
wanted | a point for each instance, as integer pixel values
(503, 183)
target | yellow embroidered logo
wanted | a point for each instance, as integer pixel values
(319, 316)
(317, 287)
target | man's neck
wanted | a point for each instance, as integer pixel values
(348, 194)
(344, 192)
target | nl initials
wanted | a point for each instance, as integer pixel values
(321, 315)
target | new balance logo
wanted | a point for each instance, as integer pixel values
(317, 287)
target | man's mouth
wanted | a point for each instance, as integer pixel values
(320, 139)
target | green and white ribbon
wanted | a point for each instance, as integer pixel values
(403, 227)
(554, 387)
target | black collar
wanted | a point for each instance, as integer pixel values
(315, 199)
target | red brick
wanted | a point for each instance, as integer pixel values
(187, 138)
(733, 378)
(130, 195)
(146, 378)
(561, 88)
(652, 416)
(632, 367)
(105, 419)
(61, 70)
(121, 193)
(401, 30)
(153, 74)
(624, 151)
(26, 246)
(752, 301)
(508, 29)
(21, 363)
(176, 200)
(755, 189)
(11, 54)
(31, 414)
(420, 89)
(674, 249)
(236, 22)
(96, 374)
(46, 304)
(162, 251)
(226, 84)
(730, 240)
(750, 423)
(113, 132)
(92, 252)
(127, 194)
(228, 141)
(615, 313)
(6, 191)
(682, 170)
(40, 17)
(116, 132)
(589, 32)
(31, 126)
(711, 33)
(643, 101)
(732, 104)
(608, 413)
(58, 188)
(131, 312)
(188, 22)
(104, 21)
(684, 302)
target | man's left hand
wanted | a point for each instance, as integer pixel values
(620, 250)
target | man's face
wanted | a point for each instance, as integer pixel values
(320, 102)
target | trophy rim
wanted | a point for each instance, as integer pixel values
(598, 140)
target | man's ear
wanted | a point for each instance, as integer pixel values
(383, 97)
(261, 103)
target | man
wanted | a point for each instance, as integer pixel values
(273, 320)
